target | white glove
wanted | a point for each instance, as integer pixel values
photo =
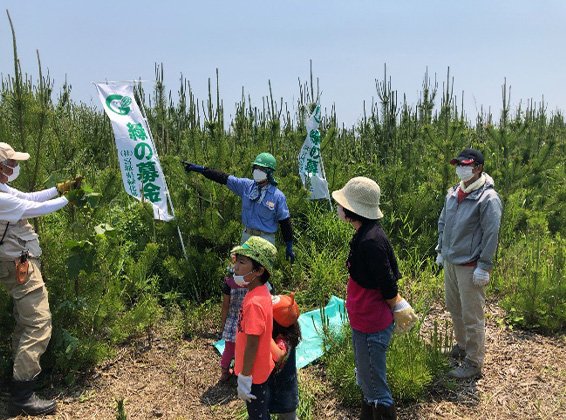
(245, 388)
(404, 316)
(480, 277)
(439, 260)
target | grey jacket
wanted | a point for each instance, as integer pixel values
(468, 231)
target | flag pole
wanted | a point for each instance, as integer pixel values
(327, 189)
(322, 164)
(167, 194)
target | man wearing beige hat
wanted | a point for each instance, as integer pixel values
(21, 276)
(374, 305)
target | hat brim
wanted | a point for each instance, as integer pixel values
(341, 199)
(261, 165)
(237, 250)
(20, 156)
(462, 161)
(247, 252)
(17, 155)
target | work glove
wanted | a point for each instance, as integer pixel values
(245, 388)
(480, 277)
(192, 167)
(70, 184)
(404, 316)
(439, 260)
(289, 254)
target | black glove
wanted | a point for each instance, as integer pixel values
(289, 254)
(192, 167)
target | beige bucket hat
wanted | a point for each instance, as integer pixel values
(8, 152)
(361, 196)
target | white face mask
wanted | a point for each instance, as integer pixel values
(341, 214)
(464, 172)
(15, 173)
(259, 175)
(239, 280)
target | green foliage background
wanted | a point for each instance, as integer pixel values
(113, 272)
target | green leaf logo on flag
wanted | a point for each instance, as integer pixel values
(316, 114)
(119, 104)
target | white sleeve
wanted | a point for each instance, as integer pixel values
(38, 196)
(45, 207)
(13, 208)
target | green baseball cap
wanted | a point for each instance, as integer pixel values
(259, 250)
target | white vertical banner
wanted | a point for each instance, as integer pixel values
(311, 170)
(141, 171)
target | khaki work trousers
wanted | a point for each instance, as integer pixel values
(466, 302)
(33, 318)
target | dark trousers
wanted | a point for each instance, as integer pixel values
(259, 408)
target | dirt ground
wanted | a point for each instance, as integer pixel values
(524, 377)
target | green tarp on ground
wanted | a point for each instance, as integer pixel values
(310, 347)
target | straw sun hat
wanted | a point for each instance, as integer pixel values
(361, 196)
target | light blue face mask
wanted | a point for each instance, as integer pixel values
(464, 172)
(259, 175)
(239, 280)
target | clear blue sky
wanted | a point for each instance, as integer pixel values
(251, 42)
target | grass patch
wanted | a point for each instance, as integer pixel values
(412, 365)
(535, 287)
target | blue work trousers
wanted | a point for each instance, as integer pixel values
(369, 355)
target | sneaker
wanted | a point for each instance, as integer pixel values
(457, 352)
(467, 370)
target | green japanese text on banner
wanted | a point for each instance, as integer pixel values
(311, 169)
(139, 163)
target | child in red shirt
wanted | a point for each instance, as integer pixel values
(254, 363)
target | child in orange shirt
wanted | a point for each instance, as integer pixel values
(254, 362)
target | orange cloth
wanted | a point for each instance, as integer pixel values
(256, 318)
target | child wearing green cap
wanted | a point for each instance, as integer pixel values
(254, 362)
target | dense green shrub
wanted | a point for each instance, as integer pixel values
(413, 364)
(533, 279)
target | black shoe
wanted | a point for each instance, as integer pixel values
(384, 412)
(367, 411)
(25, 401)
